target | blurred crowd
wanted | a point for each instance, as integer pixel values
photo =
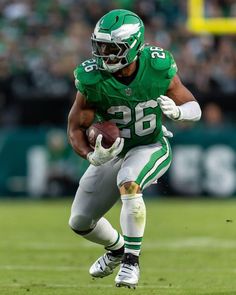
(41, 42)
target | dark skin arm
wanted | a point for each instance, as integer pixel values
(178, 92)
(81, 116)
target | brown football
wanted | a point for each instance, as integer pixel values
(109, 132)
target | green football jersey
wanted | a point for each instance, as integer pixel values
(133, 108)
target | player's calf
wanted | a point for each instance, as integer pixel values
(104, 234)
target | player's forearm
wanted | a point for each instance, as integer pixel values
(79, 143)
(189, 111)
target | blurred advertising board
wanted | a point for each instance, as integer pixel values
(39, 162)
(204, 161)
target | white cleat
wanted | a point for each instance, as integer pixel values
(105, 265)
(128, 276)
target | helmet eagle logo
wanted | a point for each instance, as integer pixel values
(125, 31)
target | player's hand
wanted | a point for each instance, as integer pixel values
(168, 107)
(100, 155)
(166, 132)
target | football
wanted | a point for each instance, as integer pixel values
(109, 132)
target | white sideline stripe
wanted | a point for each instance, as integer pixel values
(42, 245)
(74, 268)
(42, 267)
(195, 242)
(185, 243)
(178, 243)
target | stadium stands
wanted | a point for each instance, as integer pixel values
(42, 42)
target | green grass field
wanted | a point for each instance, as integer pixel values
(189, 248)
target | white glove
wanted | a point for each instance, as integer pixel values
(166, 132)
(168, 107)
(100, 155)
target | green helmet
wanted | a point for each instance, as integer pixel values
(117, 40)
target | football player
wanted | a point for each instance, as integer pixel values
(132, 85)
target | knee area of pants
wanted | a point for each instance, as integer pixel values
(125, 175)
(80, 223)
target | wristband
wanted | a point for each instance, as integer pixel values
(189, 111)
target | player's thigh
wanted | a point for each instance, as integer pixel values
(145, 164)
(97, 193)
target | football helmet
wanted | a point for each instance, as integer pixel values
(117, 40)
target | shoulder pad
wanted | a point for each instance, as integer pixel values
(162, 60)
(87, 73)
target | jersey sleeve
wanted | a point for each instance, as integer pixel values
(86, 77)
(165, 62)
(172, 70)
(79, 86)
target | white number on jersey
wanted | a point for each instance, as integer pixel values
(90, 65)
(157, 52)
(140, 120)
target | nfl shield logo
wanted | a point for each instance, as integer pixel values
(128, 91)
